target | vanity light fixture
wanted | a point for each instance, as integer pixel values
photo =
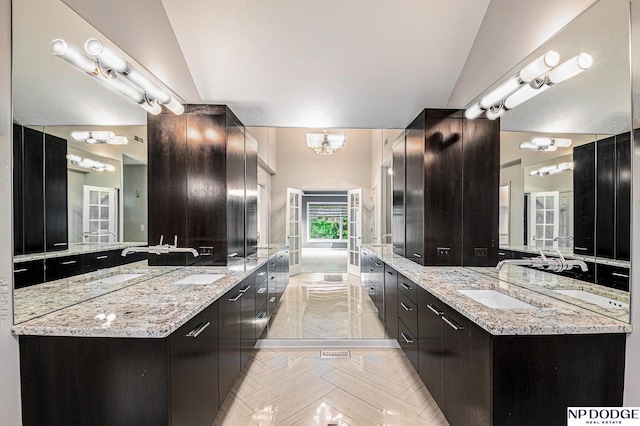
(325, 143)
(532, 80)
(95, 137)
(108, 67)
(88, 163)
(545, 144)
(552, 170)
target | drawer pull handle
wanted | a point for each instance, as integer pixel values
(261, 315)
(580, 248)
(273, 277)
(272, 264)
(59, 244)
(69, 262)
(199, 329)
(262, 274)
(377, 264)
(370, 270)
(101, 257)
(389, 272)
(405, 307)
(417, 255)
(434, 310)
(501, 253)
(234, 254)
(235, 298)
(617, 274)
(452, 324)
(244, 289)
(261, 290)
(406, 339)
(273, 299)
(406, 286)
(20, 270)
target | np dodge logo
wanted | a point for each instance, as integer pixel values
(603, 416)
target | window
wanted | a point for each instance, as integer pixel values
(327, 221)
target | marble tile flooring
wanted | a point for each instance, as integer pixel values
(298, 387)
(313, 308)
(323, 260)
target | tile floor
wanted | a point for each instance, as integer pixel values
(323, 260)
(298, 387)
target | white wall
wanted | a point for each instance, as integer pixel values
(134, 195)
(299, 167)
(9, 358)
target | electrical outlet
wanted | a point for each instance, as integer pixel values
(480, 252)
(443, 251)
(206, 251)
(142, 226)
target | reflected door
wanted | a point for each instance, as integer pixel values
(354, 206)
(293, 228)
(99, 215)
(543, 219)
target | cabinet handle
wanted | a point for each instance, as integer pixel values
(69, 262)
(199, 329)
(405, 307)
(244, 289)
(406, 286)
(59, 244)
(101, 257)
(261, 290)
(261, 315)
(377, 264)
(452, 324)
(20, 270)
(262, 274)
(234, 254)
(273, 299)
(406, 339)
(434, 310)
(370, 270)
(389, 272)
(273, 277)
(617, 274)
(501, 253)
(580, 248)
(233, 299)
(417, 255)
(272, 264)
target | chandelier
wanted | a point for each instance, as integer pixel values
(325, 143)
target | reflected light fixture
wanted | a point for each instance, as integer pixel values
(88, 163)
(545, 144)
(325, 143)
(111, 69)
(552, 170)
(95, 137)
(530, 81)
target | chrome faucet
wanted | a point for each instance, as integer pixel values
(161, 248)
(554, 264)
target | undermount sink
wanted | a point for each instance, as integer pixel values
(594, 298)
(115, 279)
(495, 299)
(200, 279)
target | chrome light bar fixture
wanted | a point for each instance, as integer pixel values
(545, 144)
(532, 80)
(552, 170)
(96, 137)
(111, 69)
(88, 163)
(325, 143)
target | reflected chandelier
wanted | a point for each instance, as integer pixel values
(325, 143)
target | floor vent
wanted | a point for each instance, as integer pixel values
(335, 354)
(333, 277)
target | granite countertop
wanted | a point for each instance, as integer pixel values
(77, 249)
(550, 316)
(568, 254)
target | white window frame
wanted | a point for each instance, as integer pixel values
(324, 240)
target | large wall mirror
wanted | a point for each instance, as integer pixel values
(94, 208)
(581, 211)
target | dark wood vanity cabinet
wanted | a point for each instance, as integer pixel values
(451, 189)
(197, 181)
(28, 273)
(230, 338)
(398, 195)
(390, 302)
(39, 191)
(65, 266)
(584, 184)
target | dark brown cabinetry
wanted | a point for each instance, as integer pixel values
(398, 195)
(584, 184)
(197, 184)
(230, 338)
(28, 273)
(251, 198)
(451, 189)
(40, 191)
(391, 302)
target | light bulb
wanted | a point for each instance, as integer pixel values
(499, 93)
(153, 108)
(540, 66)
(75, 159)
(544, 142)
(107, 56)
(571, 68)
(528, 146)
(492, 115)
(524, 94)
(72, 55)
(562, 142)
(474, 111)
(175, 107)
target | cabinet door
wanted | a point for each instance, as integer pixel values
(408, 343)
(623, 196)
(235, 186)
(33, 191)
(100, 260)
(414, 194)
(584, 180)
(430, 345)
(391, 302)
(64, 267)
(467, 371)
(606, 197)
(398, 225)
(251, 203)
(193, 352)
(247, 318)
(230, 348)
(55, 193)
(28, 273)
(18, 187)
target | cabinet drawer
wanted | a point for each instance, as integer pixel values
(99, 260)
(262, 292)
(408, 313)
(63, 267)
(408, 343)
(28, 273)
(130, 258)
(261, 274)
(408, 288)
(261, 321)
(612, 276)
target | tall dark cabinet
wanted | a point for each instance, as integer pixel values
(39, 191)
(451, 189)
(584, 194)
(251, 197)
(197, 181)
(398, 214)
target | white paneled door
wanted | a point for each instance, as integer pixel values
(543, 219)
(293, 229)
(99, 215)
(354, 207)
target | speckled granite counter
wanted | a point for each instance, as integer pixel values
(551, 316)
(77, 249)
(568, 254)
